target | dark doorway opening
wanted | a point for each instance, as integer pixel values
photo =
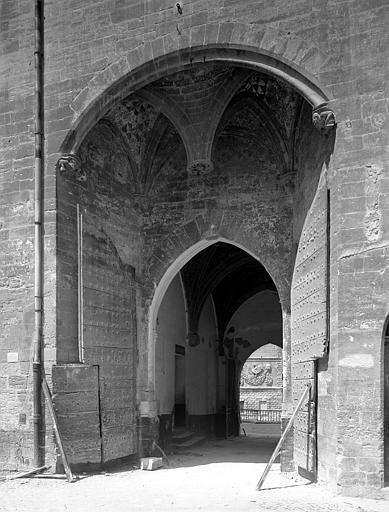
(179, 387)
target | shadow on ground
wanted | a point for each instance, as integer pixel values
(255, 445)
(236, 450)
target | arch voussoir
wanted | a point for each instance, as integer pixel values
(197, 35)
(243, 34)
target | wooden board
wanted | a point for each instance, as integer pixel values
(305, 435)
(76, 404)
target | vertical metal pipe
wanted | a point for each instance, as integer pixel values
(38, 221)
(80, 287)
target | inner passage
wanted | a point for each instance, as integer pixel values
(219, 349)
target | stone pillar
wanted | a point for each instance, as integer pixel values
(286, 458)
(362, 307)
(148, 427)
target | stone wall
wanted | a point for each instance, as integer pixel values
(261, 399)
(186, 206)
(97, 195)
(16, 234)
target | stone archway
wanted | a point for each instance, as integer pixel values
(201, 290)
(283, 56)
(134, 176)
(166, 280)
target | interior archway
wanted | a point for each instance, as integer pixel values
(198, 353)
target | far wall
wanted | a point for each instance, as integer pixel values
(201, 366)
(261, 379)
(257, 322)
(171, 331)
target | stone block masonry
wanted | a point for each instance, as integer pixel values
(259, 398)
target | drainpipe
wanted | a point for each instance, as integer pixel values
(38, 221)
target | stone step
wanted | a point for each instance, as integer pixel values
(184, 434)
(189, 443)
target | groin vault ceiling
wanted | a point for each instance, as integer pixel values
(187, 122)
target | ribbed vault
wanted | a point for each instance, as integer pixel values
(229, 274)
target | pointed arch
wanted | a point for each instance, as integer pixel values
(161, 288)
(140, 68)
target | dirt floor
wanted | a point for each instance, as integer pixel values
(215, 476)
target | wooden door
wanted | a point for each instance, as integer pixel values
(386, 409)
(109, 336)
(309, 318)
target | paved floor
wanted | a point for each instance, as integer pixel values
(219, 475)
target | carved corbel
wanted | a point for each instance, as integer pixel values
(71, 165)
(200, 167)
(193, 339)
(324, 119)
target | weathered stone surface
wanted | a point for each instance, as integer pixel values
(76, 403)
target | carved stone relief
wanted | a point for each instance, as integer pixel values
(257, 374)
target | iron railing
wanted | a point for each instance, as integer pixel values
(260, 416)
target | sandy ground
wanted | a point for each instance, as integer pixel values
(218, 475)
